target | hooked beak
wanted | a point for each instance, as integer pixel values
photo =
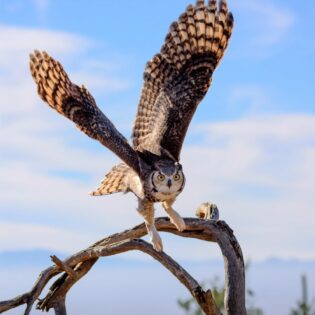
(169, 183)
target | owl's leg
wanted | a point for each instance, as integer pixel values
(146, 209)
(174, 216)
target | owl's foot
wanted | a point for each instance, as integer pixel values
(156, 240)
(177, 220)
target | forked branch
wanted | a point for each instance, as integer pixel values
(76, 266)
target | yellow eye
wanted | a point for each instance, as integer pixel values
(161, 177)
(176, 177)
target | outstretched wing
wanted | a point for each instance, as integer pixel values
(77, 104)
(178, 77)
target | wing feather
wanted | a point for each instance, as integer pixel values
(116, 180)
(178, 77)
(121, 178)
(78, 105)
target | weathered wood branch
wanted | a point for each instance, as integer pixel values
(76, 266)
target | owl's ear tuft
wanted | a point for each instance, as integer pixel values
(179, 166)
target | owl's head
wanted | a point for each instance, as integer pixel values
(167, 179)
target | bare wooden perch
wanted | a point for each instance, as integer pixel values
(76, 266)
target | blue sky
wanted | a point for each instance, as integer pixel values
(250, 147)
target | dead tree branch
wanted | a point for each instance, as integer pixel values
(76, 266)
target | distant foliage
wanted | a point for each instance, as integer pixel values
(303, 306)
(217, 288)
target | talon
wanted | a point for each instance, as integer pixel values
(158, 247)
(156, 241)
(179, 223)
(181, 226)
(175, 217)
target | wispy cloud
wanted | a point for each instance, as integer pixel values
(41, 7)
(275, 21)
(258, 170)
(264, 25)
(18, 95)
(39, 237)
(100, 82)
(250, 97)
(41, 148)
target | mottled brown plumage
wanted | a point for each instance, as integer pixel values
(78, 105)
(175, 81)
(177, 78)
(115, 181)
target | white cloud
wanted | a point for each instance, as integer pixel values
(101, 82)
(251, 97)
(39, 147)
(257, 169)
(275, 21)
(284, 128)
(31, 236)
(41, 7)
(259, 172)
(16, 83)
(18, 95)
(263, 24)
(18, 42)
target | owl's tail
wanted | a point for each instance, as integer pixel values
(115, 181)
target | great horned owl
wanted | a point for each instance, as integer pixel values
(175, 81)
